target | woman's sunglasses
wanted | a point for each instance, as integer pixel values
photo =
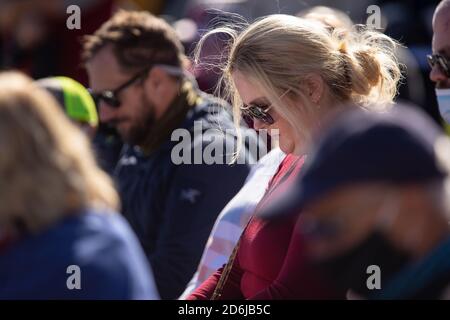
(441, 61)
(258, 113)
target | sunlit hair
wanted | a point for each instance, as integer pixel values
(47, 170)
(138, 39)
(279, 53)
(331, 17)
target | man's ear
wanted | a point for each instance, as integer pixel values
(314, 86)
(155, 78)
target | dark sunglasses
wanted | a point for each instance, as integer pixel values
(110, 96)
(258, 113)
(441, 61)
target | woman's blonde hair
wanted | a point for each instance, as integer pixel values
(278, 53)
(47, 169)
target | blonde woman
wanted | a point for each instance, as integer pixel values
(290, 74)
(59, 234)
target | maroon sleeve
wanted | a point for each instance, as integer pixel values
(206, 289)
(231, 290)
(298, 279)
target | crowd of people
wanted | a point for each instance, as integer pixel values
(350, 201)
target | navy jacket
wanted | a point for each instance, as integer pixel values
(172, 207)
(425, 279)
(102, 245)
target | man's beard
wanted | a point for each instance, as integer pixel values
(139, 131)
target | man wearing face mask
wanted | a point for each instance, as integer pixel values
(374, 206)
(440, 59)
(136, 67)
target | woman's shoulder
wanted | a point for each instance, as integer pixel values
(99, 232)
(97, 243)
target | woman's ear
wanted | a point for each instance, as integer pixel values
(314, 87)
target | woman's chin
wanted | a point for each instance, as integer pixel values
(287, 148)
(292, 148)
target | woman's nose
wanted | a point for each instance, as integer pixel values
(259, 124)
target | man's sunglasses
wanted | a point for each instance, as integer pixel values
(258, 113)
(110, 96)
(441, 61)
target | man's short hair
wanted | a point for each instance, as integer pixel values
(138, 39)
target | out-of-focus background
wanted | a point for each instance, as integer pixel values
(34, 37)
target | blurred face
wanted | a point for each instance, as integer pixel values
(136, 113)
(280, 129)
(345, 218)
(441, 45)
(349, 230)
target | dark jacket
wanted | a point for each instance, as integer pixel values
(101, 244)
(172, 207)
(427, 278)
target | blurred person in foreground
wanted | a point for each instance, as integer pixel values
(137, 73)
(58, 208)
(290, 74)
(374, 195)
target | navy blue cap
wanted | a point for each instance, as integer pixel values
(363, 147)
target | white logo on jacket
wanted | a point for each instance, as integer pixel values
(128, 161)
(190, 195)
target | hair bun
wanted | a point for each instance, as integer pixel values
(342, 47)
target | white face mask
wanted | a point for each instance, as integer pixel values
(443, 100)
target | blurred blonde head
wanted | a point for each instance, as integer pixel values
(47, 170)
(281, 53)
(330, 17)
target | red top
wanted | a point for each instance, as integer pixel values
(270, 262)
